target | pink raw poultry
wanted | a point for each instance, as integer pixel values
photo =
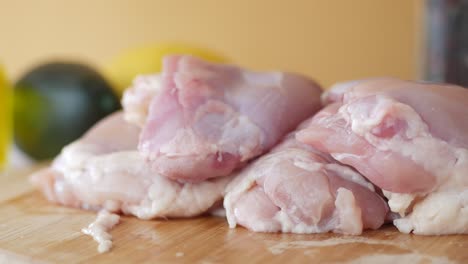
(103, 170)
(408, 138)
(296, 188)
(209, 119)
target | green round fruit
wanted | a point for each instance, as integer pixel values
(55, 103)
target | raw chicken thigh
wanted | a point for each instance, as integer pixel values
(103, 170)
(408, 138)
(210, 119)
(296, 188)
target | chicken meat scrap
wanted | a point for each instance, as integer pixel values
(104, 170)
(208, 120)
(296, 188)
(137, 98)
(408, 138)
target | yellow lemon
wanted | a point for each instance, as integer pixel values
(147, 59)
(5, 118)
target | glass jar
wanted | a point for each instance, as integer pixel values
(446, 42)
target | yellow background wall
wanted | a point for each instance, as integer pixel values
(330, 40)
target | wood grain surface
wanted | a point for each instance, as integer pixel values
(35, 231)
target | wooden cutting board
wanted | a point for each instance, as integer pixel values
(32, 230)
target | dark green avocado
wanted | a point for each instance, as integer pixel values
(55, 103)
